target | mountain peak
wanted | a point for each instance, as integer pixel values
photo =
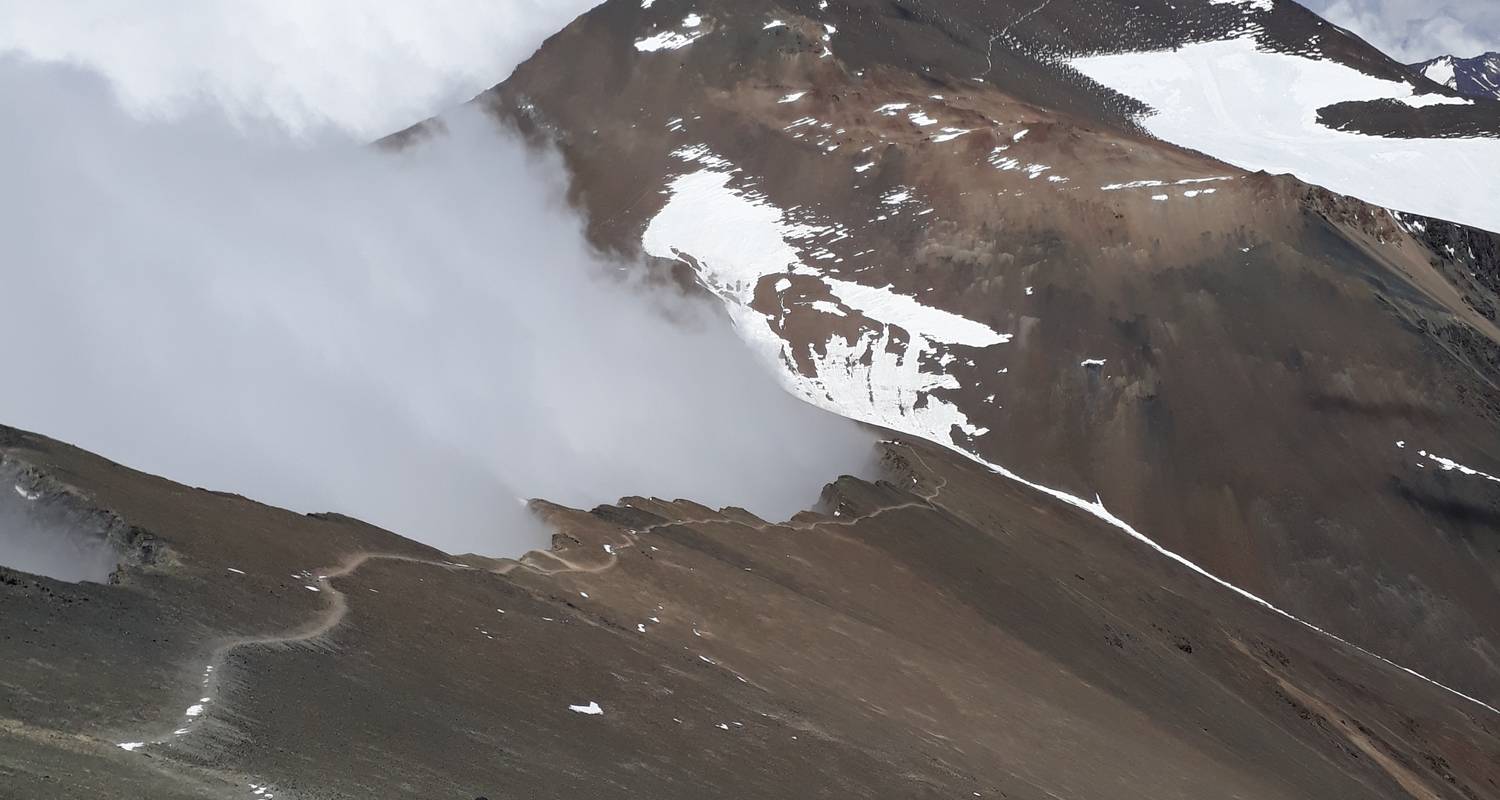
(1471, 77)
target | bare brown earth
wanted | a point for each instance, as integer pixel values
(1267, 345)
(939, 633)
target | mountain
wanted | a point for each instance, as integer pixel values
(1179, 321)
(928, 218)
(1471, 77)
(934, 634)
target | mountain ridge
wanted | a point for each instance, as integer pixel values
(931, 633)
(1472, 77)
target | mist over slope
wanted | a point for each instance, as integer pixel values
(420, 339)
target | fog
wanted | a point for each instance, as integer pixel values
(1416, 30)
(363, 66)
(43, 537)
(418, 339)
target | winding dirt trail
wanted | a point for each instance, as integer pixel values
(337, 608)
(337, 603)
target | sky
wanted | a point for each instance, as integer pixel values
(362, 66)
(1417, 30)
(221, 283)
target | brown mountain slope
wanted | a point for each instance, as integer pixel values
(1274, 357)
(941, 633)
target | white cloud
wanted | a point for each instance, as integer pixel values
(1416, 30)
(415, 339)
(363, 66)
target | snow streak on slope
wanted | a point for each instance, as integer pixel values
(735, 238)
(1259, 110)
(1097, 509)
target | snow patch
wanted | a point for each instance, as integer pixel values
(910, 314)
(949, 134)
(1258, 110)
(1248, 5)
(672, 40)
(592, 709)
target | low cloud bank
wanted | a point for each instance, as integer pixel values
(419, 339)
(43, 537)
(1416, 30)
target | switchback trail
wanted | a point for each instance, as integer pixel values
(335, 612)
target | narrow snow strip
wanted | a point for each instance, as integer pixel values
(793, 97)
(1449, 465)
(1131, 185)
(907, 312)
(1426, 100)
(1259, 110)
(1248, 5)
(1098, 510)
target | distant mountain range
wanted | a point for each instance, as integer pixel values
(1472, 77)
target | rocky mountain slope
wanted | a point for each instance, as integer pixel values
(929, 220)
(939, 633)
(1471, 77)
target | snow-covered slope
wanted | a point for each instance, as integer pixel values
(1256, 108)
(1472, 77)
